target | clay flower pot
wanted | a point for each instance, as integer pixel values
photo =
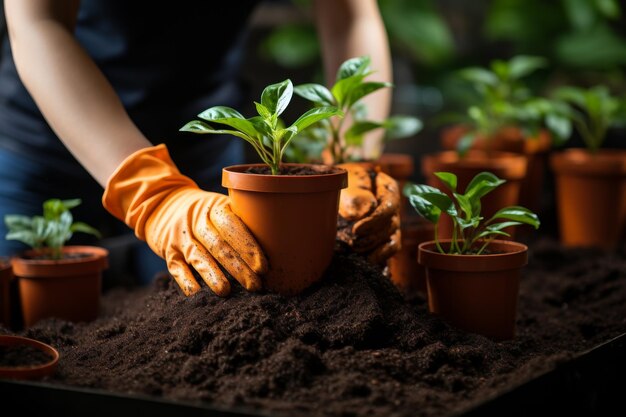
(591, 196)
(405, 272)
(512, 139)
(68, 288)
(6, 276)
(293, 217)
(476, 293)
(24, 358)
(508, 166)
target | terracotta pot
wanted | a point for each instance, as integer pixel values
(476, 293)
(512, 139)
(505, 165)
(409, 276)
(6, 276)
(33, 371)
(400, 167)
(294, 219)
(68, 289)
(591, 196)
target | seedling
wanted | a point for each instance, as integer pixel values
(503, 100)
(264, 132)
(471, 233)
(52, 230)
(346, 94)
(592, 111)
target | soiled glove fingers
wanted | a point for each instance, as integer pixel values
(186, 226)
(380, 255)
(388, 205)
(356, 203)
(380, 237)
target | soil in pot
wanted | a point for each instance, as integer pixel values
(26, 358)
(349, 346)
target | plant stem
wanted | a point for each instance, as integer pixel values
(439, 248)
(487, 242)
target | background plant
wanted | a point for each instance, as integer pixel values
(592, 111)
(52, 230)
(348, 89)
(471, 233)
(265, 132)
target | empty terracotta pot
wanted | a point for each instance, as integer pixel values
(36, 370)
(591, 196)
(476, 293)
(68, 288)
(293, 217)
(508, 166)
(405, 272)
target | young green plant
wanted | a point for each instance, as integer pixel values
(264, 132)
(349, 88)
(503, 99)
(472, 233)
(52, 230)
(592, 111)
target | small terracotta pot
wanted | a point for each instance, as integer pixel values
(29, 372)
(400, 167)
(512, 139)
(6, 276)
(68, 289)
(508, 166)
(294, 219)
(409, 276)
(591, 196)
(476, 293)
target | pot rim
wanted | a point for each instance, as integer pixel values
(606, 162)
(515, 256)
(235, 177)
(49, 268)
(29, 372)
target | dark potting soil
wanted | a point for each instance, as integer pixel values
(351, 346)
(294, 170)
(22, 356)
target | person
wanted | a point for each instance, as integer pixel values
(97, 89)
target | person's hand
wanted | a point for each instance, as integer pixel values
(369, 211)
(183, 224)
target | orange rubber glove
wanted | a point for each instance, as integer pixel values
(369, 212)
(183, 224)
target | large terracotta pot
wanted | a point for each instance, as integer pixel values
(508, 166)
(591, 196)
(512, 139)
(6, 276)
(294, 219)
(476, 293)
(68, 288)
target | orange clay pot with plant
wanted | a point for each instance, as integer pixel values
(291, 209)
(591, 182)
(55, 280)
(472, 279)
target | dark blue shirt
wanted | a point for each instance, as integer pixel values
(167, 63)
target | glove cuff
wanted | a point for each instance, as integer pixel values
(141, 182)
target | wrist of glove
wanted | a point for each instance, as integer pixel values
(184, 225)
(369, 213)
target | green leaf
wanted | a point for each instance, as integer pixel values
(354, 135)
(196, 126)
(316, 93)
(609, 8)
(522, 65)
(465, 143)
(502, 225)
(486, 233)
(343, 88)
(560, 126)
(425, 209)
(16, 222)
(262, 111)
(363, 89)
(398, 127)
(25, 236)
(466, 206)
(573, 95)
(315, 115)
(481, 185)
(517, 214)
(479, 76)
(276, 97)
(354, 66)
(217, 113)
(85, 228)
(448, 178)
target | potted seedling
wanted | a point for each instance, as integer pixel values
(505, 120)
(591, 181)
(291, 209)
(56, 280)
(473, 277)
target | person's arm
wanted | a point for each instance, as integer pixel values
(70, 90)
(184, 225)
(351, 28)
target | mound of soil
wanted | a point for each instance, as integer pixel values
(351, 346)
